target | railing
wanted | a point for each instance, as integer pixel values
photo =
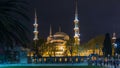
(58, 60)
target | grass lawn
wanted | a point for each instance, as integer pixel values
(51, 67)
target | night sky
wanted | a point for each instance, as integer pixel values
(96, 17)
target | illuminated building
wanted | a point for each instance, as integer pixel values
(58, 40)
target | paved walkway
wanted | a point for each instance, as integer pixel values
(108, 66)
(79, 64)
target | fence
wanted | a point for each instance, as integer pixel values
(58, 60)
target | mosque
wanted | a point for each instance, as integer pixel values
(59, 39)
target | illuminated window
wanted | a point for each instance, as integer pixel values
(76, 59)
(65, 59)
(70, 59)
(44, 59)
(60, 59)
(40, 59)
(55, 59)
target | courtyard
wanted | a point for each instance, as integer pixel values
(52, 67)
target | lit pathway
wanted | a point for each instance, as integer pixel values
(108, 66)
(79, 64)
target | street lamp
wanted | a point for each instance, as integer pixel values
(115, 49)
(116, 56)
(108, 56)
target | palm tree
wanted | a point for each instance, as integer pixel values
(12, 29)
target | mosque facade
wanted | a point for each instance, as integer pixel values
(59, 39)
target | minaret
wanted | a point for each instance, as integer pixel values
(76, 28)
(114, 36)
(35, 28)
(59, 29)
(50, 31)
(113, 43)
(49, 38)
(35, 34)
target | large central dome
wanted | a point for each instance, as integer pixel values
(61, 35)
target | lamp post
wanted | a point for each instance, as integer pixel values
(108, 60)
(116, 55)
(115, 49)
(108, 56)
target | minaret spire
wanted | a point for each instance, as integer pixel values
(50, 31)
(35, 16)
(76, 22)
(76, 9)
(59, 28)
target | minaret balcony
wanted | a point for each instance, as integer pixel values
(76, 36)
(35, 39)
(76, 20)
(35, 25)
(36, 32)
(76, 28)
(113, 38)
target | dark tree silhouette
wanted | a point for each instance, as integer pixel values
(13, 22)
(107, 46)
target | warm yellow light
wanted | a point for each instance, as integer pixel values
(61, 47)
(44, 59)
(65, 59)
(60, 59)
(40, 59)
(76, 59)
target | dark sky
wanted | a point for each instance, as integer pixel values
(96, 17)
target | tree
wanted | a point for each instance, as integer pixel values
(39, 46)
(13, 26)
(69, 45)
(107, 46)
(96, 40)
(95, 43)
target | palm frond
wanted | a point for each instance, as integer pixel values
(11, 28)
